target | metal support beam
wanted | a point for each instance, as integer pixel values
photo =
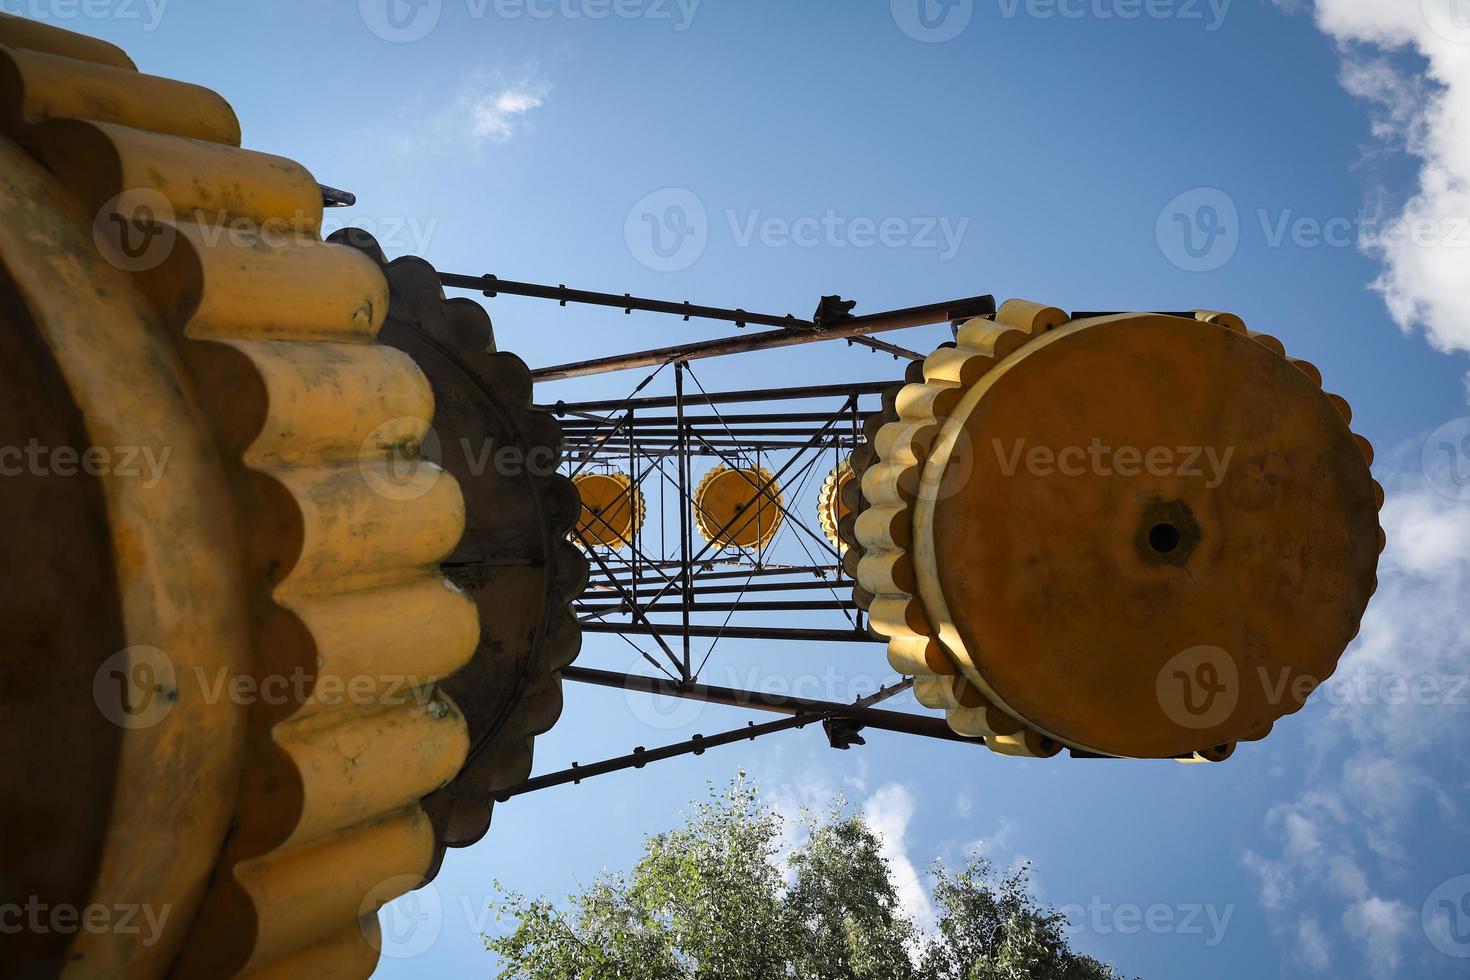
(492, 286)
(733, 632)
(857, 326)
(885, 347)
(802, 712)
(706, 569)
(692, 588)
(741, 588)
(723, 397)
(689, 605)
(878, 718)
(685, 493)
(578, 455)
(734, 418)
(706, 429)
(641, 757)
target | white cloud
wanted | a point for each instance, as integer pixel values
(487, 107)
(889, 812)
(858, 777)
(1431, 534)
(996, 842)
(1425, 274)
(1417, 629)
(495, 114)
(1320, 865)
(1277, 890)
(1396, 718)
(794, 803)
(1378, 927)
(963, 805)
(1312, 950)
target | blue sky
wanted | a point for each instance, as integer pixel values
(1095, 154)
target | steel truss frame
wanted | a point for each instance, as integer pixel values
(655, 439)
(637, 593)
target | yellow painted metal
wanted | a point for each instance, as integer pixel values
(612, 509)
(738, 507)
(31, 35)
(41, 86)
(164, 565)
(1136, 535)
(233, 191)
(831, 508)
(291, 615)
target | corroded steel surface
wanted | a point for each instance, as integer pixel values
(1137, 535)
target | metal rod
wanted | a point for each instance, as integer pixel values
(657, 637)
(857, 326)
(333, 197)
(857, 427)
(637, 524)
(828, 440)
(574, 455)
(706, 572)
(707, 447)
(887, 348)
(889, 721)
(664, 436)
(691, 606)
(641, 757)
(493, 286)
(733, 632)
(703, 574)
(714, 433)
(602, 440)
(663, 421)
(812, 586)
(684, 494)
(724, 397)
(801, 712)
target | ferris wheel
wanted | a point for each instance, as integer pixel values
(1071, 534)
